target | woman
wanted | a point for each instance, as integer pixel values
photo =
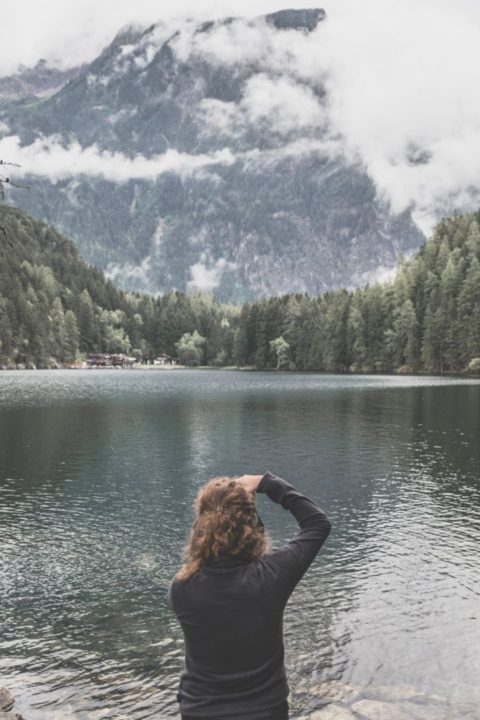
(230, 594)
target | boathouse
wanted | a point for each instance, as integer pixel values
(105, 360)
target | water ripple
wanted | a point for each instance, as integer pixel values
(98, 474)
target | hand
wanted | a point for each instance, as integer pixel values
(251, 482)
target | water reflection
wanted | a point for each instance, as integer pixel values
(98, 474)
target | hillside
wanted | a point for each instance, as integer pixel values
(426, 320)
(54, 308)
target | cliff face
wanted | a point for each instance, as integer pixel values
(236, 182)
(30, 84)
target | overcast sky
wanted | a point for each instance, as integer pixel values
(68, 32)
(402, 78)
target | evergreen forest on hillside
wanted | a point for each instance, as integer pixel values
(55, 309)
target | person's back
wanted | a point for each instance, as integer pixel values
(231, 612)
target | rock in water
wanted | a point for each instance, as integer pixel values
(7, 700)
(331, 690)
(334, 712)
(377, 710)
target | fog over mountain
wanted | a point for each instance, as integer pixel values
(233, 155)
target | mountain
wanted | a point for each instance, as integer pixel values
(202, 156)
(54, 308)
(30, 84)
(51, 302)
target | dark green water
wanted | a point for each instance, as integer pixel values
(98, 470)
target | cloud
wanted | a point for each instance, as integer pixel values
(279, 104)
(256, 44)
(399, 82)
(206, 275)
(47, 157)
(129, 276)
(291, 106)
(70, 33)
(295, 150)
(389, 85)
(380, 274)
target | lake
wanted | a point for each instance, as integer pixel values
(98, 472)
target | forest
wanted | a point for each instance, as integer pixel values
(55, 309)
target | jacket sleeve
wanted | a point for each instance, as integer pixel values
(290, 562)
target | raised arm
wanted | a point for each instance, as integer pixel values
(290, 561)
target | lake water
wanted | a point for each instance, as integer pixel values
(98, 471)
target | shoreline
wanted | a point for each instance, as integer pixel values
(465, 375)
(337, 701)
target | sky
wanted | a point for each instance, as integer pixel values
(402, 79)
(69, 32)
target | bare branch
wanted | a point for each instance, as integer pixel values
(4, 180)
(17, 185)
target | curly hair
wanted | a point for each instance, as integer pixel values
(226, 522)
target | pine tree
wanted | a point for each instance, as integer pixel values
(72, 336)
(357, 334)
(58, 332)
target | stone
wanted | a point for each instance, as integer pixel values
(7, 700)
(333, 712)
(427, 711)
(378, 710)
(390, 693)
(333, 690)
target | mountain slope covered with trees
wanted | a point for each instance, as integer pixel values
(426, 319)
(54, 308)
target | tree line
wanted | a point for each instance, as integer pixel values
(54, 309)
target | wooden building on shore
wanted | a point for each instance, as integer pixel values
(109, 360)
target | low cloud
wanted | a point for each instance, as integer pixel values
(295, 150)
(291, 106)
(380, 274)
(256, 44)
(399, 83)
(279, 104)
(47, 157)
(390, 86)
(128, 276)
(68, 34)
(400, 79)
(206, 275)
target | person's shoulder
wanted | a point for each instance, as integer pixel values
(267, 560)
(278, 556)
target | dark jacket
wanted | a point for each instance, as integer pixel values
(231, 613)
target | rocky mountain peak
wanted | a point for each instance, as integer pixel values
(297, 19)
